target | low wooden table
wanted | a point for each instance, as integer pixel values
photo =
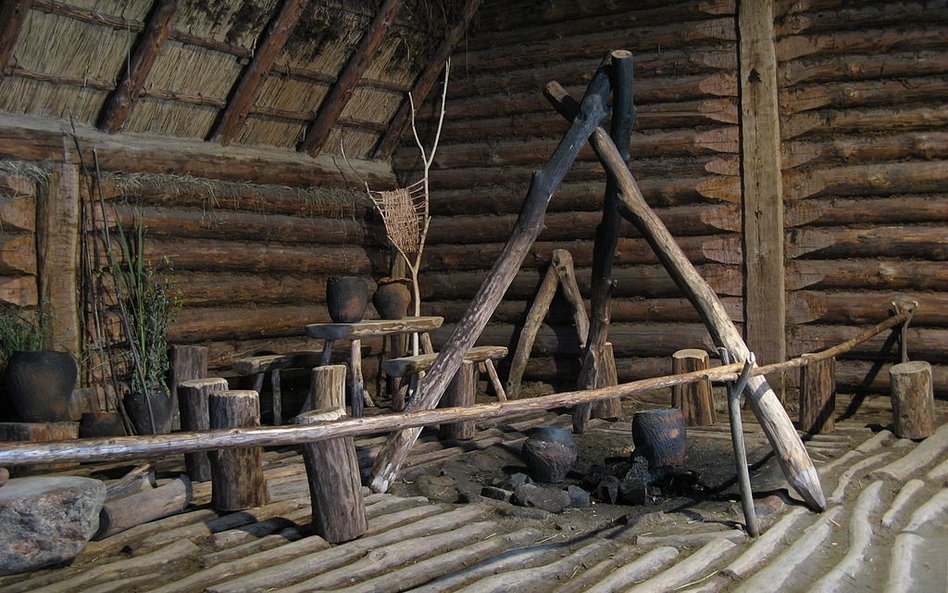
(354, 332)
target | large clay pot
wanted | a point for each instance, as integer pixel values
(39, 384)
(392, 297)
(101, 424)
(346, 298)
(136, 404)
(549, 453)
(659, 436)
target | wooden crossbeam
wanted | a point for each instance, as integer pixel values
(119, 104)
(241, 100)
(426, 81)
(340, 94)
(12, 16)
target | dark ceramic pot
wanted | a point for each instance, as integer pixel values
(136, 405)
(101, 424)
(346, 298)
(549, 453)
(392, 297)
(39, 385)
(659, 436)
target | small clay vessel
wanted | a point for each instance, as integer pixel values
(659, 436)
(346, 298)
(392, 297)
(39, 385)
(136, 404)
(549, 453)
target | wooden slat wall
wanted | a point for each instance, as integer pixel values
(18, 286)
(863, 89)
(499, 128)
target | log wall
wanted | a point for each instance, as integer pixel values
(18, 281)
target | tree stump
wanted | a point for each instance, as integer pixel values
(335, 485)
(184, 364)
(461, 393)
(913, 399)
(237, 480)
(818, 396)
(693, 399)
(193, 402)
(327, 386)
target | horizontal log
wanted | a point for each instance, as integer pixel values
(19, 291)
(244, 256)
(873, 377)
(926, 145)
(36, 139)
(597, 44)
(198, 324)
(920, 242)
(562, 370)
(848, 94)
(855, 274)
(18, 213)
(879, 41)
(848, 307)
(831, 122)
(17, 253)
(929, 344)
(230, 288)
(862, 210)
(873, 179)
(862, 67)
(889, 13)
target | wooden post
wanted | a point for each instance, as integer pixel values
(695, 399)
(913, 399)
(818, 396)
(237, 480)
(356, 386)
(610, 409)
(327, 383)
(762, 186)
(461, 393)
(184, 363)
(531, 325)
(124, 513)
(335, 487)
(193, 396)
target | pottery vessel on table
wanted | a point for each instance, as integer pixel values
(392, 297)
(346, 298)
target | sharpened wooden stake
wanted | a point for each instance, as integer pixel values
(694, 399)
(237, 480)
(193, 398)
(913, 399)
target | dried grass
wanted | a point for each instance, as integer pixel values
(194, 71)
(34, 97)
(57, 45)
(37, 173)
(167, 118)
(358, 143)
(372, 105)
(261, 130)
(280, 92)
(238, 23)
(129, 9)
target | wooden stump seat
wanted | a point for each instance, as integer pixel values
(258, 366)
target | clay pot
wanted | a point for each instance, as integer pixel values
(346, 298)
(39, 385)
(392, 297)
(659, 436)
(549, 453)
(136, 405)
(101, 424)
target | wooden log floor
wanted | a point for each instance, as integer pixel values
(886, 521)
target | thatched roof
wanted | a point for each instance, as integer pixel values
(244, 72)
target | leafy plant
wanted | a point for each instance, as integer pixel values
(21, 331)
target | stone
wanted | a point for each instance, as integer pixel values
(549, 453)
(515, 480)
(552, 500)
(47, 520)
(496, 493)
(608, 489)
(634, 486)
(578, 497)
(596, 473)
(441, 488)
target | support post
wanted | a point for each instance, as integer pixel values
(461, 393)
(193, 396)
(237, 480)
(694, 399)
(818, 396)
(184, 364)
(325, 383)
(913, 399)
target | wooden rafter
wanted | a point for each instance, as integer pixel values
(241, 101)
(426, 81)
(119, 105)
(338, 97)
(12, 16)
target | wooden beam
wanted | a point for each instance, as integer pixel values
(338, 97)
(241, 101)
(426, 81)
(12, 16)
(119, 104)
(764, 299)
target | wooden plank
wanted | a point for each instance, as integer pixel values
(763, 188)
(147, 49)
(337, 99)
(274, 39)
(399, 367)
(12, 16)
(426, 81)
(371, 328)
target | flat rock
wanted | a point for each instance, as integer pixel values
(549, 499)
(578, 497)
(442, 488)
(46, 520)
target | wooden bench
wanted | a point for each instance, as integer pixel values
(258, 366)
(411, 366)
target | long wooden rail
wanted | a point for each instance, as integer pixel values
(117, 448)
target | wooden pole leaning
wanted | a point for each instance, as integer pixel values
(737, 440)
(529, 224)
(792, 455)
(193, 398)
(237, 480)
